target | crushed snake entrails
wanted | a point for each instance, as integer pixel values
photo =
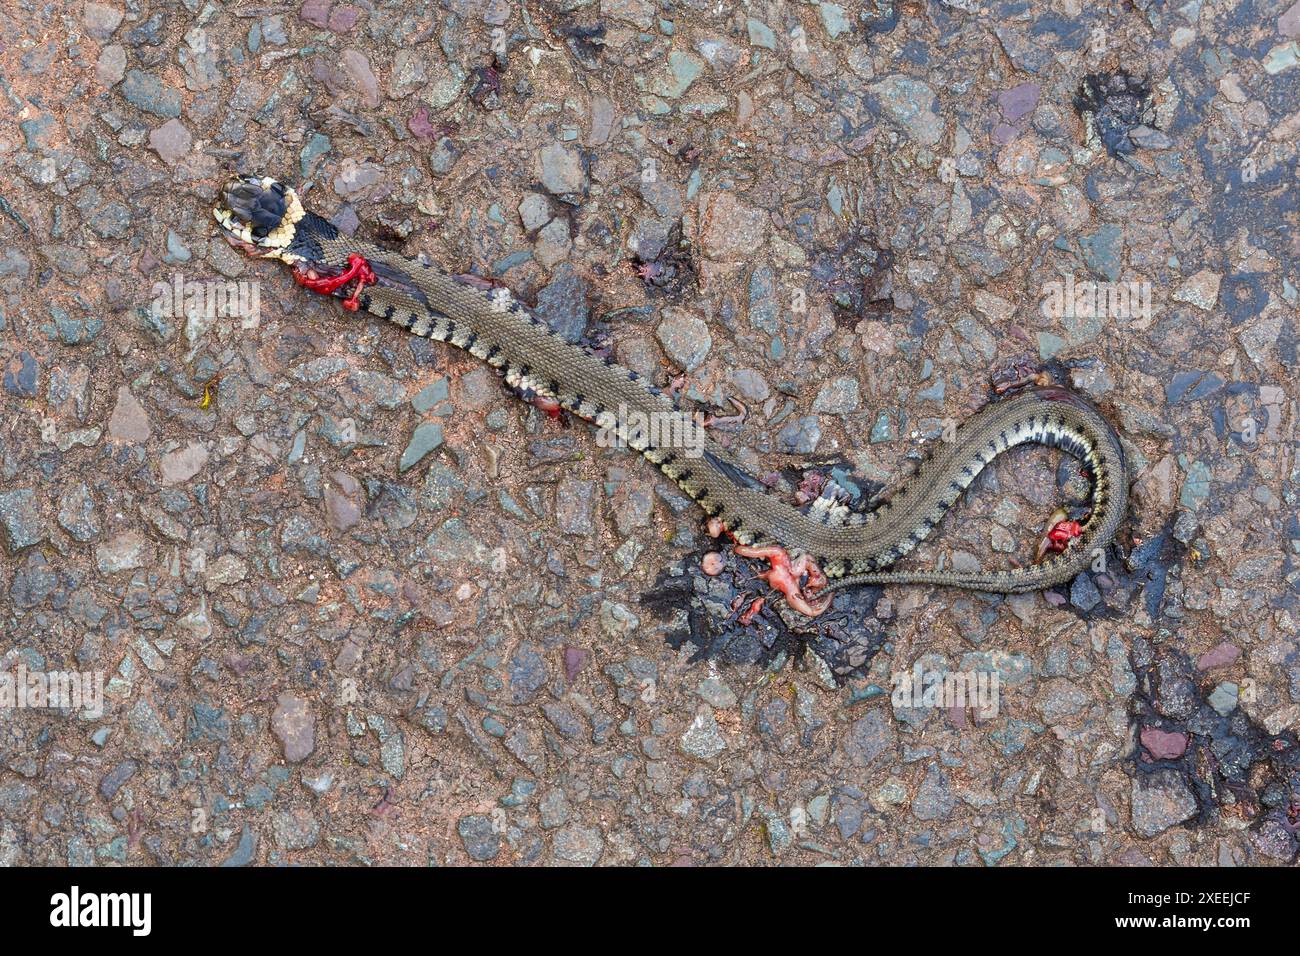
(813, 551)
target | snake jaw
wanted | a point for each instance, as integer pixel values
(236, 243)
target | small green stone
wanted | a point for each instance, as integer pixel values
(427, 437)
(430, 395)
(760, 34)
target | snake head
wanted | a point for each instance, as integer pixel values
(258, 215)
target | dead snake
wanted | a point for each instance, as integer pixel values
(267, 219)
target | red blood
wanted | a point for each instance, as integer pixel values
(549, 405)
(1062, 533)
(358, 269)
(752, 611)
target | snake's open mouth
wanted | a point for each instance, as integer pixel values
(247, 248)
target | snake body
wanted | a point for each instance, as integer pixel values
(853, 548)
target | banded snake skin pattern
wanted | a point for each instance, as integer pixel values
(267, 219)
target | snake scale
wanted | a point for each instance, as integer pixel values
(266, 219)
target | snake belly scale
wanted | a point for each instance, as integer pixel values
(267, 219)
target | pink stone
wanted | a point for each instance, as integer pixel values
(1220, 656)
(713, 563)
(1004, 133)
(129, 422)
(343, 18)
(340, 511)
(1018, 101)
(420, 126)
(357, 67)
(957, 716)
(1162, 744)
(574, 658)
(1288, 24)
(316, 12)
(294, 725)
(171, 141)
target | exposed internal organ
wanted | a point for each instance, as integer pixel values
(358, 269)
(1058, 536)
(798, 579)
